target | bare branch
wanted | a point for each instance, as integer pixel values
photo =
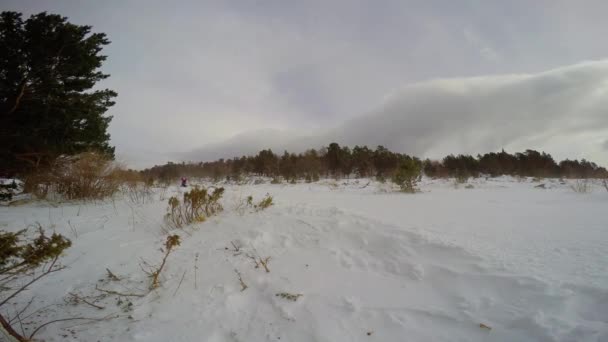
(180, 284)
(112, 276)
(9, 330)
(44, 273)
(265, 264)
(119, 293)
(243, 285)
(66, 319)
(23, 310)
(77, 298)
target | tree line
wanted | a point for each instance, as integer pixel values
(342, 162)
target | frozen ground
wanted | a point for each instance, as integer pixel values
(370, 265)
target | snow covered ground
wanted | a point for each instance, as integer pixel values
(370, 264)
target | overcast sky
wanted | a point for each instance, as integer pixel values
(200, 79)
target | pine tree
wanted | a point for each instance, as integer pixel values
(47, 103)
(407, 174)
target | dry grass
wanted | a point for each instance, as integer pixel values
(581, 186)
(135, 187)
(86, 176)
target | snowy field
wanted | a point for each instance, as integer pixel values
(504, 261)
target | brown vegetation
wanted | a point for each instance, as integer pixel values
(196, 206)
(86, 176)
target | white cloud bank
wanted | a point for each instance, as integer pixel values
(563, 111)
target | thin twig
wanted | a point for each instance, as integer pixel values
(10, 331)
(66, 319)
(265, 264)
(20, 324)
(243, 285)
(73, 229)
(24, 308)
(255, 261)
(145, 263)
(119, 293)
(78, 298)
(195, 269)
(44, 273)
(39, 310)
(112, 276)
(180, 284)
(236, 249)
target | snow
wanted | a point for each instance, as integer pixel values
(371, 264)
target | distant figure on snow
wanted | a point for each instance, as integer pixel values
(184, 182)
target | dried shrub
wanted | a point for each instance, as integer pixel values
(243, 204)
(86, 176)
(172, 242)
(289, 296)
(138, 193)
(137, 189)
(581, 186)
(196, 206)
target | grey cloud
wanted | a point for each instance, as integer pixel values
(487, 113)
(194, 73)
(469, 115)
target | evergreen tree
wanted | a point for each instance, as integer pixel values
(333, 158)
(407, 175)
(362, 161)
(47, 106)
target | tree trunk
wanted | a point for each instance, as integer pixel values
(18, 98)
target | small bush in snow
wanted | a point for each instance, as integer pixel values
(461, 177)
(264, 203)
(247, 203)
(7, 191)
(196, 206)
(407, 176)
